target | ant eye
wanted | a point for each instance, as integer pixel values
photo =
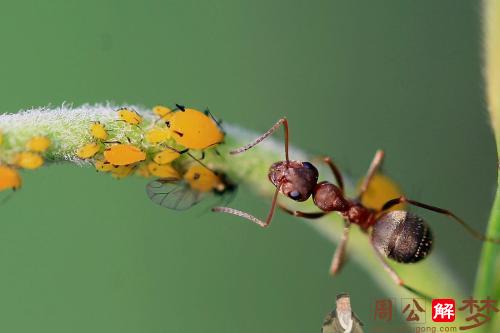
(308, 165)
(294, 195)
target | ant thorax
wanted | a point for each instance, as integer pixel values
(358, 214)
(294, 179)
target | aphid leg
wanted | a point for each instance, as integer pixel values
(265, 135)
(263, 224)
(311, 215)
(136, 125)
(395, 277)
(335, 171)
(339, 255)
(374, 166)
(180, 107)
(197, 160)
(209, 114)
(7, 197)
(473, 232)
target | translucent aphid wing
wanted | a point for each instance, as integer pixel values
(173, 194)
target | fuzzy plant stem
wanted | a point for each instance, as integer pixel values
(67, 128)
(488, 274)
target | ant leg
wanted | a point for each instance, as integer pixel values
(339, 255)
(263, 224)
(446, 212)
(395, 277)
(374, 166)
(312, 215)
(265, 135)
(335, 171)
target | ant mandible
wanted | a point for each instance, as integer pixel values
(398, 234)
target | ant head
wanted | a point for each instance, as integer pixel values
(297, 179)
(329, 197)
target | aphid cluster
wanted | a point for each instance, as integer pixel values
(171, 138)
(30, 158)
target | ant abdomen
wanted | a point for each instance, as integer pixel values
(402, 236)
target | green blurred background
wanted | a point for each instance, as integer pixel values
(81, 252)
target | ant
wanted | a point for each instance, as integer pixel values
(398, 234)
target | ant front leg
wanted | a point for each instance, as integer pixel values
(336, 172)
(372, 170)
(339, 255)
(298, 213)
(395, 277)
(476, 234)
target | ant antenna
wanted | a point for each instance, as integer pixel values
(265, 135)
(474, 233)
(250, 217)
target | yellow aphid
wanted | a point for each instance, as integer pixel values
(163, 171)
(1, 137)
(157, 135)
(124, 154)
(195, 130)
(168, 117)
(98, 131)
(9, 178)
(143, 171)
(130, 116)
(166, 156)
(29, 160)
(161, 110)
(122, 171)
(103, 166)
(202, 179)
(88, 151)
(38, 144)
(379, 191)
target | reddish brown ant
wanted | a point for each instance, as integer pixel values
(398, 234)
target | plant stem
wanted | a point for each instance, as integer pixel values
(68, 130)
(488, 273)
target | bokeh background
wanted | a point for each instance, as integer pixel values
(81, 252)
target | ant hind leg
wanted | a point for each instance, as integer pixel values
(395, 277)
(470, 230)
